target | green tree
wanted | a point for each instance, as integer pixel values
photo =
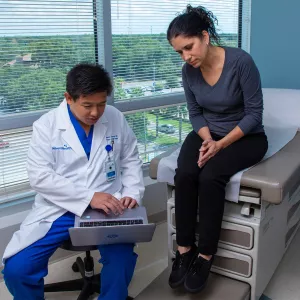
(159, 87)
(137, 92)
(120, 60)
(119, 92)
(11, 47)
(138, 123)
(139, 57)
(172, 81)
(171, 111)
(53, 53)
(34, 90)
(168, 69)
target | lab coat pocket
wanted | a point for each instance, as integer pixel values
(63, 157)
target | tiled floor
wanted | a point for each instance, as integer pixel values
(285, 284)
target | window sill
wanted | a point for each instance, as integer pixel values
(17, 198)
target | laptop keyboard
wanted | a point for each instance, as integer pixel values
(111, 223)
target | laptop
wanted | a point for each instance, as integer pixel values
(95, 227)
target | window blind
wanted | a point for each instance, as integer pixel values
(39, 42)
(13, 153)
(144, 64)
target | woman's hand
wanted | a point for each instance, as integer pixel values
(208, 150)
(203, 149)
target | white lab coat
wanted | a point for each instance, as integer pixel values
(63, 177)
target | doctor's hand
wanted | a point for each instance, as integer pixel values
(107, 202)
(208, 150)
(129, 202)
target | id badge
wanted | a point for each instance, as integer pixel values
(110, 170)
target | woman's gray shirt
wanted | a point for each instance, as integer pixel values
(235, 100)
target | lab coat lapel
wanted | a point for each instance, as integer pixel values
(70, 137)
(99, 136)
(69, 134)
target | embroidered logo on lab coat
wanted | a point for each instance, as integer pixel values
(112, 137)
(64, 147)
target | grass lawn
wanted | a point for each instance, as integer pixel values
(185, 126)
(166, 140)
(162, 139)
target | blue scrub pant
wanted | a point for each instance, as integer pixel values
(24, 272)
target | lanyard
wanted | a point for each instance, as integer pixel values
(108, 149)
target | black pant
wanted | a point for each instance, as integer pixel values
(208, 186)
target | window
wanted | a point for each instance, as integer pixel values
(41, 40)
(158, 129)
(144, 64)
(13, 152)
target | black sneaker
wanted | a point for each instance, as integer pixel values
(181, 266)
(198, 274)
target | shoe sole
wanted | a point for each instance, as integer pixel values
(181, 282)
(195, 291)
(178, 283)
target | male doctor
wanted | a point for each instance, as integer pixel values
(68, 168)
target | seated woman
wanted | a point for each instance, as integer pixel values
(225, 103)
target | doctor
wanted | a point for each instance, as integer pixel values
(68, 168)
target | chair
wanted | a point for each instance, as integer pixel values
(88, 284)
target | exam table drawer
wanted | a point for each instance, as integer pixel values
(231, 234)
(236, 235)
(228, 261)
(294, 204)
(233, 262)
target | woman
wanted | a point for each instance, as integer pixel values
(225, 103)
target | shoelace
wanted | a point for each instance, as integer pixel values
(178, 261)
(196, 267)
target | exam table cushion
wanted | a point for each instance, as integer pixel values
(272, 179)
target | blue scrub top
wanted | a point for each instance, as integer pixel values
(86, 141)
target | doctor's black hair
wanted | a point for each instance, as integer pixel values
(87, 79)
(191, 22)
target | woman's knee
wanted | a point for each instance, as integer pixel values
(189, 153)
(183, 176)
(211, 176)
